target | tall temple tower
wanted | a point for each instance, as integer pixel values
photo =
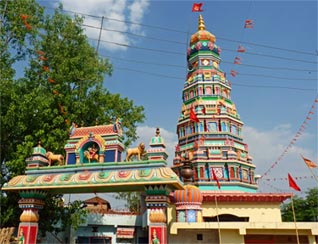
(209, 127)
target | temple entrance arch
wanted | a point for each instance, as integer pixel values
(79, 175)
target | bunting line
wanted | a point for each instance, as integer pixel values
(298, 134)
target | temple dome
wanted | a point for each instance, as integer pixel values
(202, 34)
(190, 194)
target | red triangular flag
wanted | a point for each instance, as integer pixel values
(215, 178)
(196, 7)
(233, 73)
(193, 116)
(241, 49)
(292, 183)
(309, 163)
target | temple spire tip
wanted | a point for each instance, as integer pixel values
(201, 25)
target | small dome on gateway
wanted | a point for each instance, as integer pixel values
(190, 194)
(202, 34)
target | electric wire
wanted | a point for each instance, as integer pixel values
(182, 66)
(233, 83)
(134, 34)
(184, 32)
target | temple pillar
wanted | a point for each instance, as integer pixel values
(31, 201)
(157, 201)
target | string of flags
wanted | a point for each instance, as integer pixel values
(306, 177)
(248, 24)
(295, 138)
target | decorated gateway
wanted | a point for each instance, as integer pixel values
(208, 196)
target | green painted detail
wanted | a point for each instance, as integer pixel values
(39, 150)
(31, 178)
(157, 190)
(32, 194)
(203, 52)
(228, 188)
(144, 172)
(65, 177)
(103, 174)
(239, 146)
(97, 165)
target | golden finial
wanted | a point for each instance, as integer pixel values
(201, 23)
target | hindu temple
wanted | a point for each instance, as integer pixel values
(209, 127)
(209, 195)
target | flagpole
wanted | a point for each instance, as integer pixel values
(294, 216)
(217, 217)
(315, 176)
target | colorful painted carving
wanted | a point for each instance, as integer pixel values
(92, 153)
(55, 158)
(137, 151)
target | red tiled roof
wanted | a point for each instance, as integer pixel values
(96, 200)
(244, 197)
(96, 130)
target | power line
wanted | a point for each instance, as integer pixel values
(277, 77)
(133, 34)
(142, 48)
(235, 84)
(182, 66)
(170, 41)
(272, 56)
(144, 62)
(149, 73)
(124, 21)
(179, 53)
(184, 32)
(267, 46)
(278, 87)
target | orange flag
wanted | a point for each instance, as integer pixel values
(309, 163)
(292, 183)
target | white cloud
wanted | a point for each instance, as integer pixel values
(117, 14)
(267, 147)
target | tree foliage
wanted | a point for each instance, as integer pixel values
(50, 77)
(131, 199)
(306, 209)
(65, 216)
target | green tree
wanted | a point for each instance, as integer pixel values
(131, 199)
(62, 82)
(65, 216)
(306, 209)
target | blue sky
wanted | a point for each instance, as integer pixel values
(276, 83)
